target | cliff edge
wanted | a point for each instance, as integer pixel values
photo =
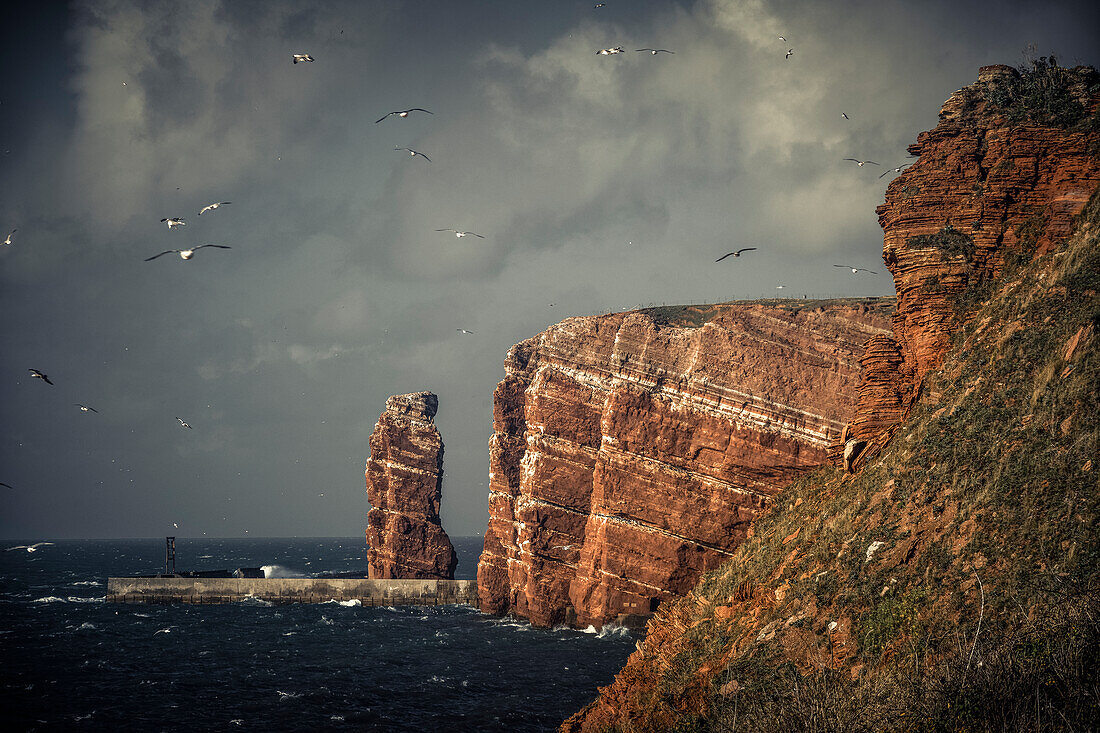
(632, 451)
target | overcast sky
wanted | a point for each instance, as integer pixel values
(599, 183)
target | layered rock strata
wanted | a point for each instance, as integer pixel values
(404, 479)
(631, 451)
(984, 191)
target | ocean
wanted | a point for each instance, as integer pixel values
(70, 661)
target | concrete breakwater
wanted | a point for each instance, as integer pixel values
(292, 590)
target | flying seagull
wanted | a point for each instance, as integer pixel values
(208, 207)
(856, 269)
(897, 169)
(302, 57)
(783, 38)
(174, 221)
(186, 254)
(183, 423)
(655, 51)
(7, 486)
(844, 115)
(85, 408)
(29, 548)
(790, 52)
(861, 163)
(415, 153)
(463, 330)
(402, 113)
(35, 374)
(462, 234)
(609, 51)
(8, 240)
(735, 254)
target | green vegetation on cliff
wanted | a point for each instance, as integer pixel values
(954, 582)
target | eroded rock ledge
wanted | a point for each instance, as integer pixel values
(631, 451)
(404, 480)
(985, 191)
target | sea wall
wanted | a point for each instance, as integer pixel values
(291, 590)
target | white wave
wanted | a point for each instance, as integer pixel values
(86, 627)
(290, 633)
(287, 695)
(79, 599)
(437, 679)
(613, 631)
(327, 621)
(278, 571)
(348, 603)
(49, 599)
(86, 582)
(255, 601)
(336, 717)
(591, 630)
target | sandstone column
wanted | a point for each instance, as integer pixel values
(404, 478)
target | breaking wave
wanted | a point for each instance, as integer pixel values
(278, 571)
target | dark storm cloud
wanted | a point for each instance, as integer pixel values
(600, 183)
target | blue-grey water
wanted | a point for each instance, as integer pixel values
(70, 661)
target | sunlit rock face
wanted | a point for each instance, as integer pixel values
(631, 451)
(404, 478)
(984, 191)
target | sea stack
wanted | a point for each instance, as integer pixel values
(404, 479)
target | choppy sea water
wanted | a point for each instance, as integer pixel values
(70, 661)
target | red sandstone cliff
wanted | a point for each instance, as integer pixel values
(984, 191)
(631, 451)
(404, 476)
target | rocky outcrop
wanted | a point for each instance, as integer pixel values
(986, 190)
(404, 478)
(632, 451)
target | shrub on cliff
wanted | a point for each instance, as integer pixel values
(948, 240)
(1044, 93)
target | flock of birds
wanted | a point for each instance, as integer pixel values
(177, 222)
